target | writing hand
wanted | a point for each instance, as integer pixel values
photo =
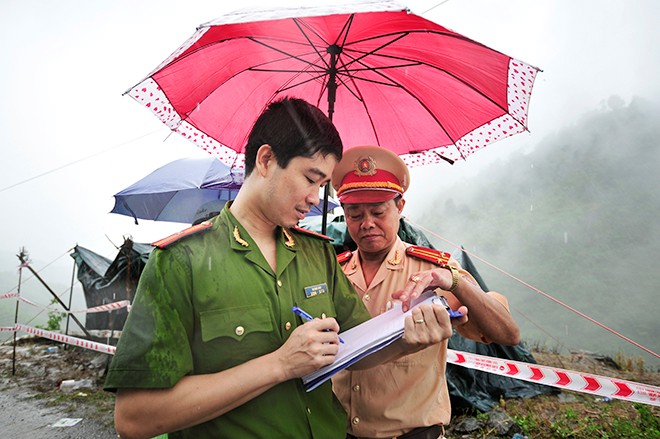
(310, 347)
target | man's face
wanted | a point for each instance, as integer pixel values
(374, 227)
(292, 191)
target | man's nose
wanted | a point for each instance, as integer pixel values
(367, 222)
(313, 198)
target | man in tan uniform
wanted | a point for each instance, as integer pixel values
(408, 397)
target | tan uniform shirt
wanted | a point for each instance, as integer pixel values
(393, 398)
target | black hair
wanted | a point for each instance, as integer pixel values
(292, 127)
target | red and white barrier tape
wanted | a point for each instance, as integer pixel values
(75, 341)
(106, 307)
(561, 378)
(101, 308)
(550, 376)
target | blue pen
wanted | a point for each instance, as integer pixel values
(306, 317)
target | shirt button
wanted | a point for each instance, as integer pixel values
(279, 283)
(323, 315)
(239, 330)
(309, 411)
(356, 388)
(287, 325)
(356, 420)
(366, 297)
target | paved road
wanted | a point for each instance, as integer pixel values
(25, 416)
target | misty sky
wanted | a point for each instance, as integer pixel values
(65, 65)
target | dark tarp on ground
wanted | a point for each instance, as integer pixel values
(106, 281)
(469, 389)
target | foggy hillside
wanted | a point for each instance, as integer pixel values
(577, 218)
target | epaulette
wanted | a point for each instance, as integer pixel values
(342, 258)
(166, 242)
(428, 254)
(311, 233)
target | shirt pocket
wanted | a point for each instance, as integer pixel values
(319, 306)
(238, 323)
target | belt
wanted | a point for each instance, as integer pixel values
(432, 432)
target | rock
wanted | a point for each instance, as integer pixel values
(68, 386)
(468, 425)
(566, 397)
(500, 422)
(99, 361)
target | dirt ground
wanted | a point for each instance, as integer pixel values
(31, 402)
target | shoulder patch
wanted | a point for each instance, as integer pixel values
(311, 233)
(428, 254)
(342, 258)
(166, 242)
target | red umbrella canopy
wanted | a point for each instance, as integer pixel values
(384, 75)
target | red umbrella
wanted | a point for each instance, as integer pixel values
(384, 75)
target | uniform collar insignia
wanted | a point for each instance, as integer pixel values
(396, 260)
(237, 237)
(290, 242)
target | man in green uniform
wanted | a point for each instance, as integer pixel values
(211, 347)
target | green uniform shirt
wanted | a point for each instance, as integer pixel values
(209, 302)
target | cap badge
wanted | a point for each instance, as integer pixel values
(365, 166)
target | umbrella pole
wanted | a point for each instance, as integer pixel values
(334, 50)
(324, 212)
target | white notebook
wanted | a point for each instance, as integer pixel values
(365, 339)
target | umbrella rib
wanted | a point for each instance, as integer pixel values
(346, 71)
(298, 22)
(326, 78)
(411, 61)
(290, 55)
(401, 35)
(396, 84)
(404, 34)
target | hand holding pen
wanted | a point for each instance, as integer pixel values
(306, 317)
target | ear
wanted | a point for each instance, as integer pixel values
(264, 160)
(400, 204)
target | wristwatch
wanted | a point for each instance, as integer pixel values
(443, 301)
(455, 276)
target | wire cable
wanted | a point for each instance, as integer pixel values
(76, 161)
(546, 295)
(433, 7)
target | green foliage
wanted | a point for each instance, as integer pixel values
(54, 319)
(649, 423)
(527, 422)
(593, 419)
